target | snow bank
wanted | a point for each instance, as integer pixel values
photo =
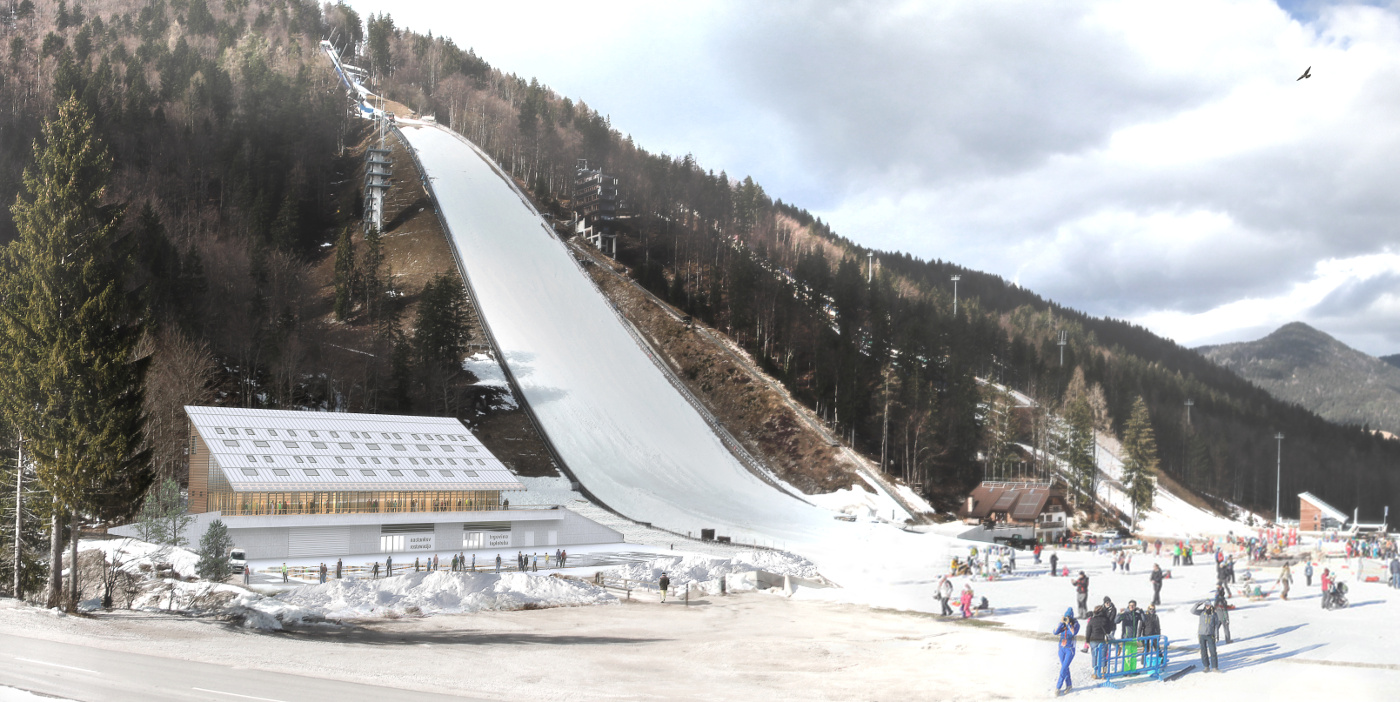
(705, 571)
(488, 373)
(442, 592)
(139, 556)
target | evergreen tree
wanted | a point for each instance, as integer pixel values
(163, 515)
(1139, 457)
(441, 332)
(70, 381)
(1080, 450)
(213, 552)
(345, 275)
(371, 270)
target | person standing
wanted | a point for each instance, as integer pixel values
(1395, 571)
(1067, 630)
(1037, 553)
(389, 566)
(1307, 574)
(1205, 632)
(1151, 628)
(665, 584)
(1285, 578)
(247, 570)
(1326, 587)
(1156, 577)
(1081, 593)
(1096, 637)
(966, 601)
(1054, 563)
(1222, 613)
(284, 572)
(498, 564)
(1131, 621)
(339, 567)
(944, 593)
(375, 572)
(1111, 611)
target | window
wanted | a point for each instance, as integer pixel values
(451, 462)
(262, 444)
(318, 444)
(396, 447)
(447, 448)
(360, 459)
(439, 461)
(470, 473)
(372, 447)
(335, 435)
(386, 436)
(347, 446)
(299, 459)
(290, 444)
(394, 461)
(291, 433)
(446, 473)
(415, 436)
(267, 459)
(338, 459)
(421, 473)
(414, 461)
(339, 472)
(272, 432)
(397, 436)
(219, 429)
(314, 434)
(396, 473)
(231, 430)
(374, 460)
(252, 459)
(311, 458)
(251, 471)
(469, 449)
(422, 447)
(280, 472)
(249, 432)
(311, 472)
(230, 442)
(481, 461)
(367, 473)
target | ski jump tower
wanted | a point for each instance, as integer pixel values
(377, 172)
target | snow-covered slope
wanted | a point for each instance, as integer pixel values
(630, 437)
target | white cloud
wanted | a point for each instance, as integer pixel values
(1157, 161)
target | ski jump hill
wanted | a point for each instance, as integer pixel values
(626, 434)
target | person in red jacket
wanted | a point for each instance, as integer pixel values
(1326, 587)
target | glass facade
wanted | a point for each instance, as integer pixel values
(236, 504)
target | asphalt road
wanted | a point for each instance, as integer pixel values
(99, 675)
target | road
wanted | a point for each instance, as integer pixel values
(95, 674)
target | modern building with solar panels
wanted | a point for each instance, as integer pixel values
(319, 484)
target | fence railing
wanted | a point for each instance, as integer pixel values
(1122, 658)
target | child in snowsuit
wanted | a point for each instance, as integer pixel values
(1067, 630)
(966, 601)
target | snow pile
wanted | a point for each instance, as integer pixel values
(488, 373)
(138, 556)
(706, 571)
(443, 592)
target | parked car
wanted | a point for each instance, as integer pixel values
(237, 560)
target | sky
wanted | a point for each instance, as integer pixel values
(1158, 162)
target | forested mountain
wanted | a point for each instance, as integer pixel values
(228, 130)
(1300, 364)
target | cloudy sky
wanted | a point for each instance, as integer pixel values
(1157, 162)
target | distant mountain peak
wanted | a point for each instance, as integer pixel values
(1298, 363)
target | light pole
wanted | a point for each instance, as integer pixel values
(956, 278)
(1063, 340)
(1278, 478)
(1189, 405)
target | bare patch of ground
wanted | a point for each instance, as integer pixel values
(755, 413)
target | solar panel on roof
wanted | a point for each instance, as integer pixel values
(1004, 503)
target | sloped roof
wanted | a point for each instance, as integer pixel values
(281, 450)
(1325, 508)
(1022, 502)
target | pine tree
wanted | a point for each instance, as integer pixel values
(345, 275)
(441, 331)
(70, 381)
(1139, 457)
(163, 515)
(1080, 454)
(213, 552)
(371, 268)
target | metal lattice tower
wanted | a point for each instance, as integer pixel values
(377, 173)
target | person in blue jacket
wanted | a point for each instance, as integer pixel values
(1068, 628)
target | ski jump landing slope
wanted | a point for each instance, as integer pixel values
(626, 434)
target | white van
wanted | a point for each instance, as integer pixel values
(237, 560)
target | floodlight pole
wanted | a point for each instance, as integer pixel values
(956, 278)
(1063, 340)
(1189, 405)
(1278, 478)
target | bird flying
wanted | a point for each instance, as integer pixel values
(1306, 74)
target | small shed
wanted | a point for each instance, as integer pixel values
(1041, 505)
(1316, 515)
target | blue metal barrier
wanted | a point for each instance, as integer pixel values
(1144, 656)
